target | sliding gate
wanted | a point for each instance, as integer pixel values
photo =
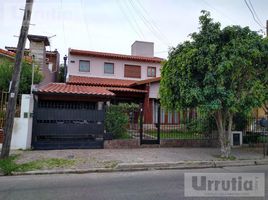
(63, 125)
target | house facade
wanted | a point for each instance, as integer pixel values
(140, 71)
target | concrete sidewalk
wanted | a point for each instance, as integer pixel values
(125, 158)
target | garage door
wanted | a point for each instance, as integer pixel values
(65, 125)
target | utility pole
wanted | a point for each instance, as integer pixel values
(12, 99)
(266, 28)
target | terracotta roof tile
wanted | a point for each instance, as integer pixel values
(115, 56)
(125, 89)
(12, 55)
(62, 88)
(95, 81)
(150, 80)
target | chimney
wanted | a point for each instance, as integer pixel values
(141, 48)
(38, 48)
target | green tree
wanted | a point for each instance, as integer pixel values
(61, 74)
(221, 71)
(6, 70)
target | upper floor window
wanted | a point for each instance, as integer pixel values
(132, 71)
(84, 66)
(108, 68)
(151, 71)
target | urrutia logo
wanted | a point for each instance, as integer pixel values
(224, 184)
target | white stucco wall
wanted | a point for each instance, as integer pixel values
(22, 128)
(97, 67)
(154, 90)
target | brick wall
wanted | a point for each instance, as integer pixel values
(129, 144)
(1, 135)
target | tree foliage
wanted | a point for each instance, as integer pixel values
(221, 71)
(6, 70)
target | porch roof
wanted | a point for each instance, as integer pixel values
(126, 89)
(150, 80)
(62, 88)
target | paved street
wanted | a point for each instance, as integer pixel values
(168, 184)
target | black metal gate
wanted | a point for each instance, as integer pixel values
(149, 133)
(66, 125)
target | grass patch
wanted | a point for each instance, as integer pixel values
(224, 158)
(175, 134)
(123, 136)
(9, 165)
(110, 163)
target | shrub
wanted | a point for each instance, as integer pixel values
(117, 118)
(200, 125)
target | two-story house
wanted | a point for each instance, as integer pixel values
(113, 78)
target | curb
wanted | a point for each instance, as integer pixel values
(124, 167)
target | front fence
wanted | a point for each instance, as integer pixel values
(3, 107)
(253, 133)
(190, 129)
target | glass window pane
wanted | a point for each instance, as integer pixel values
(176, 120)
(108, 68)
(169, 117)
(151, 71)
(84, 66)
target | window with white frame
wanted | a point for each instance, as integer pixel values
(151, 71)
(84, 66)
(108, 68)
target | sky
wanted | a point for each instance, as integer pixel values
(113, 25)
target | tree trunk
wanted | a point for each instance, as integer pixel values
(224, 132)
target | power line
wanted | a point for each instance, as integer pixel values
(151, 19)
(63, 26)
(253, 15)
(136, 28)
(220, 12)
(257, 17)
(147, 23)
(85, 21)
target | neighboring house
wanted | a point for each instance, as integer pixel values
(48, 61)
(11, 55)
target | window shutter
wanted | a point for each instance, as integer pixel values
(132, 71)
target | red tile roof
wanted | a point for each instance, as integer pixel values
(150, 80)
(95, 81)
(12, 55)
(62, 88)
(115, 56)
(124, 89)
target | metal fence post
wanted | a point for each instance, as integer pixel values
(158, 123)
(141, 124)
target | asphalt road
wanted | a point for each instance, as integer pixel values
(162, 185)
